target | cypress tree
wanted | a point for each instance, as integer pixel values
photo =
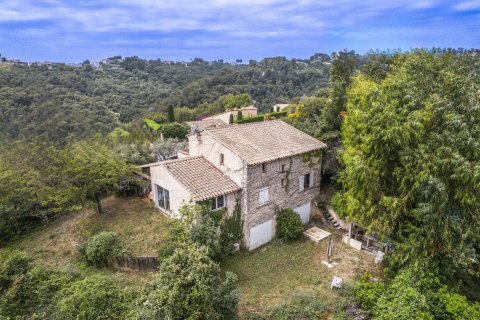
(240, 116)
(230, 120)
(170, 114)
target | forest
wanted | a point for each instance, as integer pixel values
(403, 136)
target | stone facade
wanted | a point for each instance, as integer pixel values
(280, 197)
(269, 155)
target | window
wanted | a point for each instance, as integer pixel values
(219, 202)
(264, 167)
(163, 198)
(222, 159)
(283, 168)
(305, 181)
(283, 182)
(263, 196)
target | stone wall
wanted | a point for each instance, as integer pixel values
(145, 264)
(288, 196)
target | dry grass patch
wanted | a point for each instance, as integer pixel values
(135, 220)
(269, 275)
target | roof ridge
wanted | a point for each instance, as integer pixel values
(246, 124)
(159, 163)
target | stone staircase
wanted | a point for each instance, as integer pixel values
(331, 219)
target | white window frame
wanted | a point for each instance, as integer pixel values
(263, 200)
(222, 159)
(165, 197)
(215, 205)
(301, 182)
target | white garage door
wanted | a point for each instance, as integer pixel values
(261, 234)
(304, 212)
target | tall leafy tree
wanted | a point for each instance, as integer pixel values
(412, 157)
(95, 169)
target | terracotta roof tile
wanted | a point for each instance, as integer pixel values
(201, 178)
(265, 141)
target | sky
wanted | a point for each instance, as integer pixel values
(179, 30)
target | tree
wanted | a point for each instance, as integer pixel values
(239, 115)
(343, 66)
(33, 187)
(170, 114)
(230, 119)
(174, 130)
(234, 101)
(163, 149)
(414, 293)
(411, 158)
(95, 169)
(188, 286)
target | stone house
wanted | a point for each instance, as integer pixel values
(264, 166)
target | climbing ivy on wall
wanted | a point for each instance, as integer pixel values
(231, 230)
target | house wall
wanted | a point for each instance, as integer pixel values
(279, 197)
(233, 167)
(178, 194)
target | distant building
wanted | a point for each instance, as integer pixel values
(248, 111)
(280, 107)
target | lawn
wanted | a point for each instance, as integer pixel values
(135, 220)
(271, 274)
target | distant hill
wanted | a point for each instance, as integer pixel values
(56, 100)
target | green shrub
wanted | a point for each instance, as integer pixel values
(100, 246)
(257, 118)
(367, 292)
(12, 264)
(33, 293)
(94, 297)
(174, 130)
(278, 115)
(204, 233)
(189, 286)
(289, 225)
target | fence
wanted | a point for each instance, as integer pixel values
(145, 264)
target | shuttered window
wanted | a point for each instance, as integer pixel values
(305, 181)
(263, 196)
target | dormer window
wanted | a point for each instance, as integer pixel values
(222, 159)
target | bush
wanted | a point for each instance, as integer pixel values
(257, 118)
(289, 225)
(204, 233)
(12, 264)
(189, 286)
(367, 292)
(33, 293)
(94, 297)
(100, 246)
(174, 130)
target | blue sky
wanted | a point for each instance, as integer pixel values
(72, 31)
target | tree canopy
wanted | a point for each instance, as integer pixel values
(412, 156)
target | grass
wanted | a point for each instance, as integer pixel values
(269, 276)
(135, 220)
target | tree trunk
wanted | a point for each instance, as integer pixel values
(99, 204)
